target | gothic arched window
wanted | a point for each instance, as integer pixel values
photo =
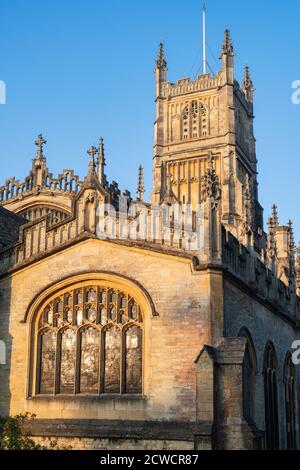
(271, 398)
(249, 371)
(90, 341)
(194, 121)
(290, 402)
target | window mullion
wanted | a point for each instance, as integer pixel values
(123, 362)
(78, 363)
(57, 364)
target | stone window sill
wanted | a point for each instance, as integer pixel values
(89, 398)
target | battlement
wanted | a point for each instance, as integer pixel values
(187, 86)
(258, 277)
(67, 181)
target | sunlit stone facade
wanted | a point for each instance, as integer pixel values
(117, 341)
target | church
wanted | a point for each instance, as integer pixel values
(169, 336)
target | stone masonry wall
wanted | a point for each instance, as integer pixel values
(174, 338)
(69, 443)
(243, 311)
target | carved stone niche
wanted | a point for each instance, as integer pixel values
(91, 201)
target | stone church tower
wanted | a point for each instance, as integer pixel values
(126, 324)
(210, 118)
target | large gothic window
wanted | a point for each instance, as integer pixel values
(90, 341)
(290, 402)
(271, 398)
(194, 121)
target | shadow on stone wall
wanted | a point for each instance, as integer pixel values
(5, 348)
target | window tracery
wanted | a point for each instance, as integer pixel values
(195, 121)
(90, 341)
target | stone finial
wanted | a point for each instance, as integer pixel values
(273, 223)
(248, 223)
(292, 245)
(101, 149)
(247, 85)
(40, 142)
(101, 161)
(247, 80)
(274, 216)
(228, 58)
(210, 182)
(92, 152)
(272, 245)
(161, 62)
(227, 47)
(169, 197)
(91, 180)
(141, 185)
(297, 269)
(291, 248)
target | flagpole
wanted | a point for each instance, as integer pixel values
(204, 37)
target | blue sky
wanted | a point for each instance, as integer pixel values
(76, 70)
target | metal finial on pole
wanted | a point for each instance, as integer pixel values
(204, 37)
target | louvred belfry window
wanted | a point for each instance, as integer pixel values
(194, 121)
(90, 342)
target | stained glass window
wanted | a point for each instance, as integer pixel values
(112, 360)
(48, 349)
(90, 342)
(67, 362)
(134, 352)
(89, 370)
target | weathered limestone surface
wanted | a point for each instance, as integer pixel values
(208, 314)
(174, 337)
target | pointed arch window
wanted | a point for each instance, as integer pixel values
(290, 402)
(90, 341)
(271, 398)
(249, 372)
(195, 121)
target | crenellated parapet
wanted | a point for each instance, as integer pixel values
(257, 277)
(39, 179)
(13, 189)
(41, 194)
(187, 86)
(40, 238)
